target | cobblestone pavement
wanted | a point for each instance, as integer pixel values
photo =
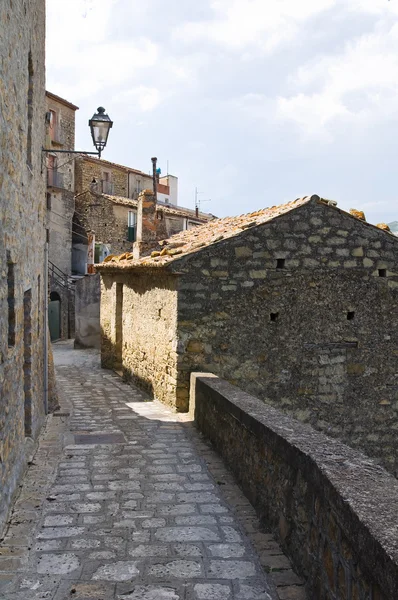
(123, 500)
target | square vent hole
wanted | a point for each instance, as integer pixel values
(274, 316)
(280, 263)
(350, 315)
(382, 272)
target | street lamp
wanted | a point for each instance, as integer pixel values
(100, 125)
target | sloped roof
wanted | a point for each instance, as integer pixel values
(209, 233)
(214, 231)
(179, 211)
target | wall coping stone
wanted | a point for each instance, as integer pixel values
(363, 494)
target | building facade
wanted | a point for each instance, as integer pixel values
(22, 238)
(106, 203)
(297, 304)
(60, 178)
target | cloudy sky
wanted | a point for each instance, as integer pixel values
(255, 102)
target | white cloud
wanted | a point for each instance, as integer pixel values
(145, 98)
(81, 58)
(360, 85)
(238, 24)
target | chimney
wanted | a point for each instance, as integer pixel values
(146, 239)
(154, 177)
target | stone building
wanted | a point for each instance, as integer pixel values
(296, 304)
(22, 238)
(60, 174)
(107, 204)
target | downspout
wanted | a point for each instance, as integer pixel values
(45, 326)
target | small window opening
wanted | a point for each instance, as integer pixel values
(11, 304)
(274, 316)
(382, 272)
(350, 315)
(280, 263)
(159, 312)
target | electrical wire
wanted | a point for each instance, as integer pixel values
(73, 232)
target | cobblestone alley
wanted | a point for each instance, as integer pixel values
(123, 500)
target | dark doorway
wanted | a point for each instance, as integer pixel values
(54, 316)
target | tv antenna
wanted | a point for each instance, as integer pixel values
(198, 201)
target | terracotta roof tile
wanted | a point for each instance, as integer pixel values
(167, 209)
(212, 232)
(192, 240)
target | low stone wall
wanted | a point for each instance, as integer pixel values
(87, 312)
(334, 510)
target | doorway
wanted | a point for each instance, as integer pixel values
(54, 316)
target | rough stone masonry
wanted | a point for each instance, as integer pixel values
(300, 310)
(22, 237)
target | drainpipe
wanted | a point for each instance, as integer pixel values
(155, 181)
(45, 327)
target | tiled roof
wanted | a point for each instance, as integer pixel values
(209, 233)
(214, 231)
(179, 211)
(103, 162)
(61, 100)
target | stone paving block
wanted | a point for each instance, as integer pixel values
(227, 550)
(186, 534)
(58, 564)
(231, 569)
(182, 569)
(212, 591)
(117, 571)
(84, 590)
(146, 519)
(150, 592)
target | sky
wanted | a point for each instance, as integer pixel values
(253, 102)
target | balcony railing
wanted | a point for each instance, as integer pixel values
(107, 187)
(55, 179)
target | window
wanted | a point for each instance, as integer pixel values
(138, 188)
(53, 126)
(382, 272)
(131, 225)
(274, 317)
(51, 170)
(107, 185)
(350, 315)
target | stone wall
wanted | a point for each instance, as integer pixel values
(108, 221)
(138, 326)
(22, 237)
(87, 169)
(303, 313)
(87, 312)
(333, 510)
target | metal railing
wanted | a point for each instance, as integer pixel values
(55, 275)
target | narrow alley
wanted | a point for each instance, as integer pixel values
(123, 500)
